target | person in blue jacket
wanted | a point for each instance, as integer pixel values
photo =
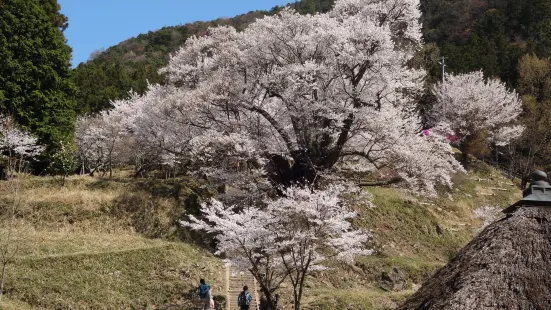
(204, 294)
(244, 299)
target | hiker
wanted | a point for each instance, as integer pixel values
(244, 299)
(204, 294)
(276, 302)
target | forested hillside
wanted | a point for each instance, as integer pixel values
(472, 35)
(110, 74)
(488, 35)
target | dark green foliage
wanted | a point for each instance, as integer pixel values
(100, 82)
(35, 85)
(533, 150)
(52, 8)
(488, 35)
(313, 6)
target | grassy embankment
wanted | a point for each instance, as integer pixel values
(113, 245)
(413, 237)
(92, 245)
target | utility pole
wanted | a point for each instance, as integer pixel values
(442, 62)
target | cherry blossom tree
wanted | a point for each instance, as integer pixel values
(90, 142)
(111, 138)
(277, 112)
(288, 238)
(16, 144)
(472, 105)
(294, 95)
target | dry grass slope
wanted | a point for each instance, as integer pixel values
(102, 244)
(75, 252)
(413, 237)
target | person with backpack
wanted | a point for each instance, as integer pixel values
(204, 294)
(244, 299)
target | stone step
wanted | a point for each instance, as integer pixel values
(241, 281)
(252, 304)
(238, 279)
(251, 282)
(238, 289)
(234, 305)
(236, 292)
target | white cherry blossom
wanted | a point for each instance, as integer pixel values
(287, 238)
(468, 103)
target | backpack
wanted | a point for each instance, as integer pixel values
(244, 299)
(204, 290)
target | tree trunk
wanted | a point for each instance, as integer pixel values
(9, 165)
(381, 183)
(296, 298)
(267, 303)
(281, 170)
(3, 173)
(465, 160)
(93, 171)
(270, 305)
(139, 172)
(2, 280)
(302, 170)
(464, 153)
(110, 170)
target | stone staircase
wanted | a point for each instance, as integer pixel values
(236, 280)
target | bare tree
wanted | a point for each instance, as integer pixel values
(96, 53)
(9, 246)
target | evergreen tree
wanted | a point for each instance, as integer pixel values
(35, 84)
(53, 9)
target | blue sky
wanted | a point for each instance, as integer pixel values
(103, 23)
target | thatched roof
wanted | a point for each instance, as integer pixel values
(507, 266)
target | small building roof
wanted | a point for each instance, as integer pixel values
(507, 266)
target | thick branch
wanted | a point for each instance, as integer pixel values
(364, 155)
(275, 124)
(381, 183)
(343, 138)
